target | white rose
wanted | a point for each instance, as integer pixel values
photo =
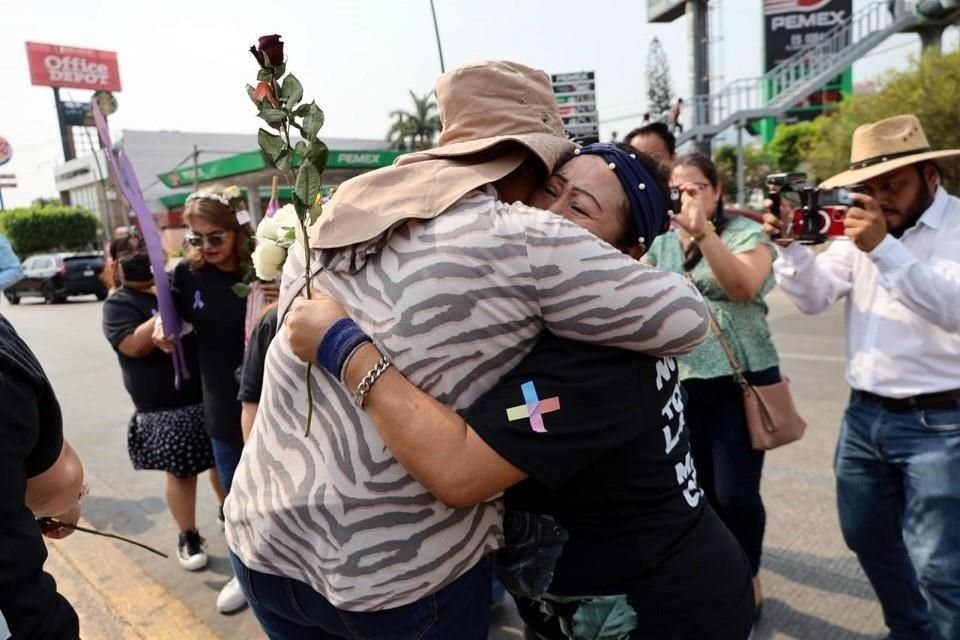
(268, 259)
(268, 229)
(287, 223)
(232, 192)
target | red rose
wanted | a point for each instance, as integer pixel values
(268, 51)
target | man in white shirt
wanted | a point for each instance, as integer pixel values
(898, 455)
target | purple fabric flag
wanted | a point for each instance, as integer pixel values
(126, 180)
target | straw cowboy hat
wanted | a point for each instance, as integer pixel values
(886, 145)
(482, 106)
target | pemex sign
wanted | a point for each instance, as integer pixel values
(53, 65)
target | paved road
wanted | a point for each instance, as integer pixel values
(813, 585)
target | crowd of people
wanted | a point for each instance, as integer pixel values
(517, 369)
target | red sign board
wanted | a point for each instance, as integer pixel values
(54, 66)
(6, 151)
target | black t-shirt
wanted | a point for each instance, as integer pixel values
(149, 380)
(251, 378)
(205, 299)
(31, 437)
(612, 496)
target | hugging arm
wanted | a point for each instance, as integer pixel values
(590, 292)
(438, 448)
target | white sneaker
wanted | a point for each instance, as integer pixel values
(231, 597)
(190, 551)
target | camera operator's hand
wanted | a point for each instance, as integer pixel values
(865, 224)
(774, 224)
(694, 209)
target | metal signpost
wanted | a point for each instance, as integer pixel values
(577, 102)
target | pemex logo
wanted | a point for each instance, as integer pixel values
(771, 7)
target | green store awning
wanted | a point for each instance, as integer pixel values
(253, 161)
(284, 194)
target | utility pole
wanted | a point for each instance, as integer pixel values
(436, 31)
(196, 171)
(700, 45)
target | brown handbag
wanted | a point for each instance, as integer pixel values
(772, 418)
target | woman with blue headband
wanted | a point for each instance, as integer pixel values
(605, 522)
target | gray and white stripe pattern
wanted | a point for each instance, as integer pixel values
(456, 302)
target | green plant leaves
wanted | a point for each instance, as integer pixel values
(301, 149)
(265, 75)
(272, 145)
(273, 117)
(604, 618)
(316, 154)
(312, 121)
(241, 289)
(291, 91)
(308, 185)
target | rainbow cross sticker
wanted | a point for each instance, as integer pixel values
(533, 408)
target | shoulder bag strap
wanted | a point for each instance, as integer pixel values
(724, 343)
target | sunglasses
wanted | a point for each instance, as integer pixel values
(197, 240)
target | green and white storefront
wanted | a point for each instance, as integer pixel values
(251, 173)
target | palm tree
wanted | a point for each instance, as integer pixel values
(418, 126)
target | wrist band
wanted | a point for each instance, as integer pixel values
(338, 343)
(707, 230)
(364, 387)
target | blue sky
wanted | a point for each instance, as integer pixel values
(184, 64)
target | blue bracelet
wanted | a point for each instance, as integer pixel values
(339, 342)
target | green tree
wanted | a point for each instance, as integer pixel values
(929, 88)
(659, 91)
(757, 163)
(49, 228)
(791, 145)
(415, 129)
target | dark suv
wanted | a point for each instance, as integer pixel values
(54, 276)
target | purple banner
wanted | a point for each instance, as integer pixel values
(126, 180)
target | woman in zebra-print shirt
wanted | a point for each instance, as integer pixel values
(604, 512)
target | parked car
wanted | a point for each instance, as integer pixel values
(55, 276)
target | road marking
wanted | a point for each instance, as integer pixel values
(812, 357)
(140, 605)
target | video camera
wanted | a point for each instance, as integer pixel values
(818, 213)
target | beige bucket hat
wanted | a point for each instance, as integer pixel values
(886, 145)
(482, 105)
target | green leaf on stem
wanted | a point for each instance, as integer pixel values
(241, 289)
(279, 70)
(284, 161)
(301, 149)
(291, 91)
(316, 155)
(265, 75)
(314, 213)
(272, 145)
(312, 121)
(302, 110)
(273, 117)
(308, 185)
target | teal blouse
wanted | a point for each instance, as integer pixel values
(744, 324)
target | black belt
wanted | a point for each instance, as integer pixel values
(942, 400)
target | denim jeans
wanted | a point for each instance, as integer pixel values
(226, 457)
(728, 468)
(898, 496)
(291, 610)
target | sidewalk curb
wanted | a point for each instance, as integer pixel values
(111, 584)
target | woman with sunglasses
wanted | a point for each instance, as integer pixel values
(166, 432)
(730, 260)
(218, 258)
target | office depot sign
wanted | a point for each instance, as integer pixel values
(54, 66)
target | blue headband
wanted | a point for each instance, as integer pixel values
(647, 204)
